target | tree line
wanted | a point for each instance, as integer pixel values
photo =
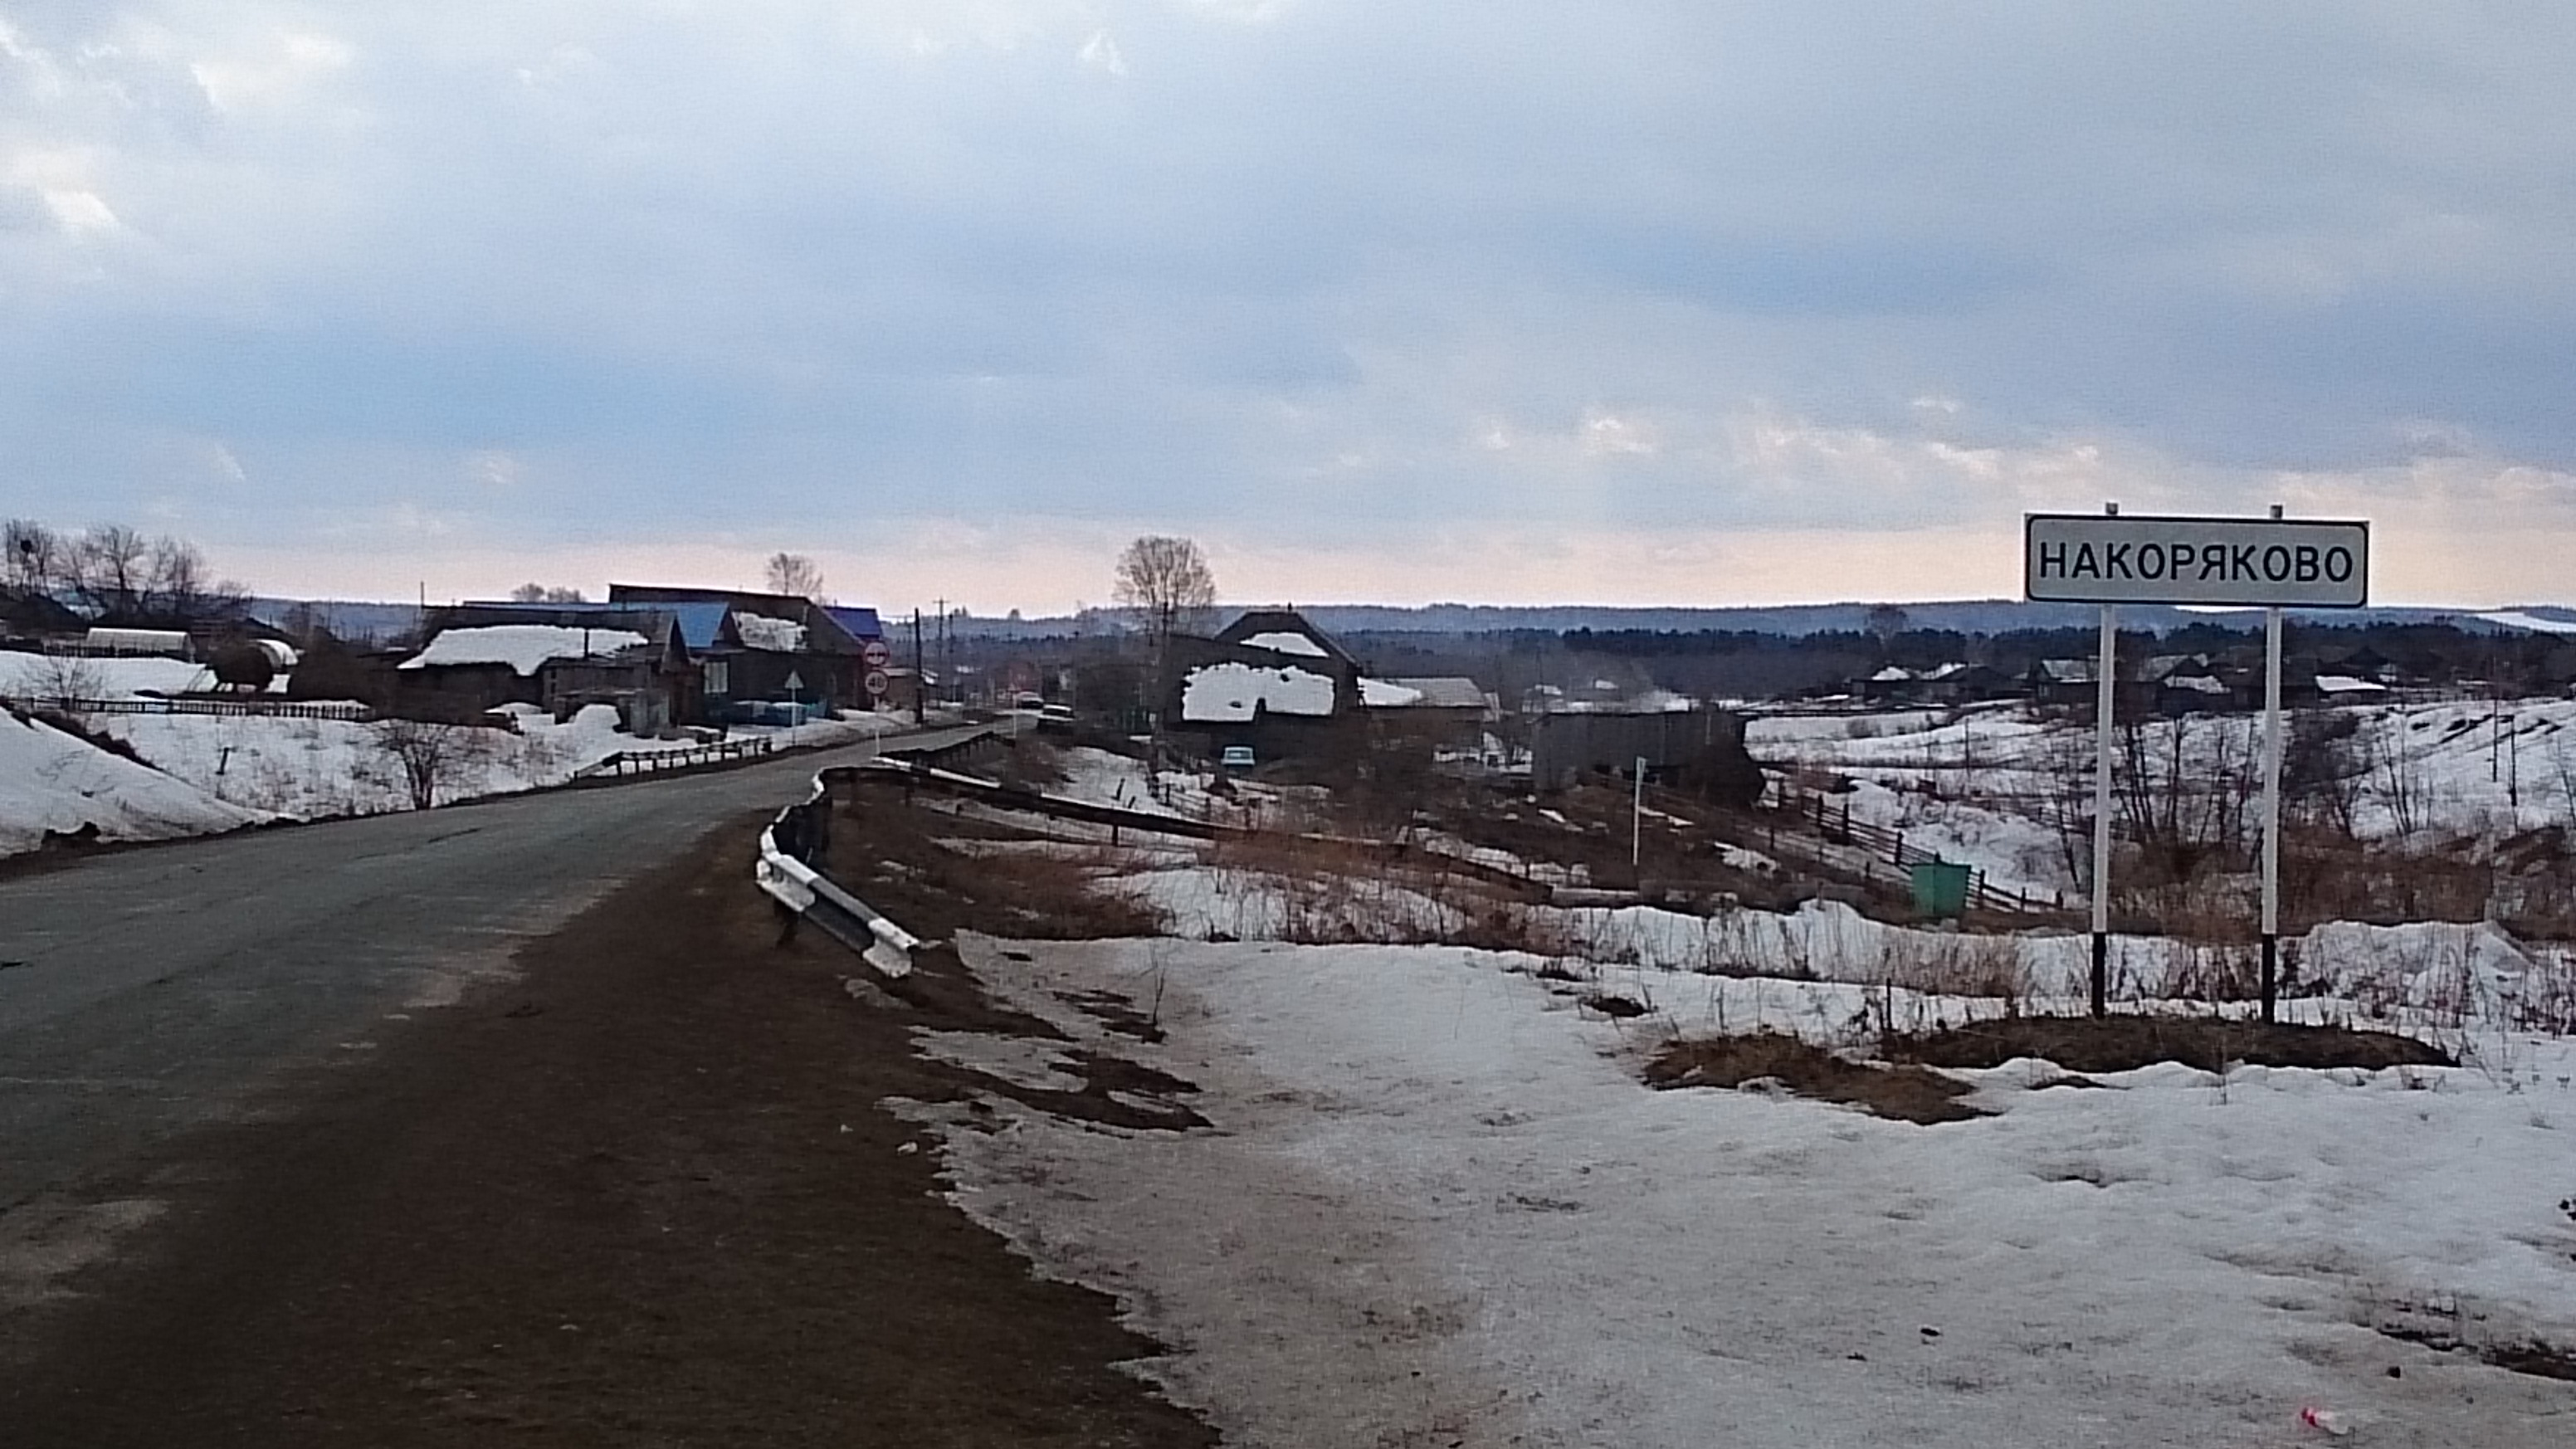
(116, 575)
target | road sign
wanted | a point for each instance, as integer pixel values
(795, 681)
(2111, 558)
(875, 683)
(2093, 558)
(877, 655)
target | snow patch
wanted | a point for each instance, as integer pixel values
(52, 782)
(1232, 693)
(526, 648)
(1284, 641)
(778, 636)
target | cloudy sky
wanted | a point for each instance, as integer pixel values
(1674, 302)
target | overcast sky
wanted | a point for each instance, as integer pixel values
(1681, 302)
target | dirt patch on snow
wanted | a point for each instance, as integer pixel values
(2122, 1043)
(1907, 1093)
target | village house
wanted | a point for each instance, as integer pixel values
(477, 658)
(754, 648)
(1698, 749)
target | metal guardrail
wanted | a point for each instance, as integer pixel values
(650, 762)
(801, 832)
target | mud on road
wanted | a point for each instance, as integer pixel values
(643, 1194)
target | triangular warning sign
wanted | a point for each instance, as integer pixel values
(795, 680)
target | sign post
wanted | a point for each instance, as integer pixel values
(2272, 563)
(2106, 696)
(2272, 806)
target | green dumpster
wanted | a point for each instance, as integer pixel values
(1940, 889)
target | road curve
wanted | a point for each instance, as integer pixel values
(156, 990)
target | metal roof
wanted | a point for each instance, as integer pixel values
(861, 623)
(701, 625)
(1444, 692)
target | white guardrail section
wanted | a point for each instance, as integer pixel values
(800, 887)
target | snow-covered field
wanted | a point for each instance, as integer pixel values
(54, 782)
(1437, 1207)
(1104, 778)
(1977, 786)
(44, 676)
(310, 769)
(2428, 974)
(213, 773)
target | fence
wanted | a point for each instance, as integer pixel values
(649, 762)
(1117, 817)
(246, 706)
(1881, 843)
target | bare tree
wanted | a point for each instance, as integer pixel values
(106, 567)
(794, 573)
(429, 754)
(30, 556)
(1885, 621)
(179, 590)
(2562, 761)
(536, 593)
(61, 684)
(1166, 583)
(2400, 779)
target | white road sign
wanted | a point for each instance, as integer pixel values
(2094, 558)
(875, 654)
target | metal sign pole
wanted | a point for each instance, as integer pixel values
(2105, 699)
(2272, 807)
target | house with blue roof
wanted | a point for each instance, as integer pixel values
(754, 648)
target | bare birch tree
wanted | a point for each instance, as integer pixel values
(795, 573)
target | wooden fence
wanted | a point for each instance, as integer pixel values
(246, 706)
(1833, 822)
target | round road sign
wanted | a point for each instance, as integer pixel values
(876, 654)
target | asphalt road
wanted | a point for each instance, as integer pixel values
(152, 991)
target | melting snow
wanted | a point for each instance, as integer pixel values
(1442, 1209)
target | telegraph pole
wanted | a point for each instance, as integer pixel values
(920, 681)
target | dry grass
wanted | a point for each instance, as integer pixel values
(1907, 1093)
(2123, 1043)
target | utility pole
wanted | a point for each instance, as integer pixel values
(946, 682)
(920, 681)
(1637, 818)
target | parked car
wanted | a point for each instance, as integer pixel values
(1236, 757)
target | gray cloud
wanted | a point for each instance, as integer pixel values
(1399, 263)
